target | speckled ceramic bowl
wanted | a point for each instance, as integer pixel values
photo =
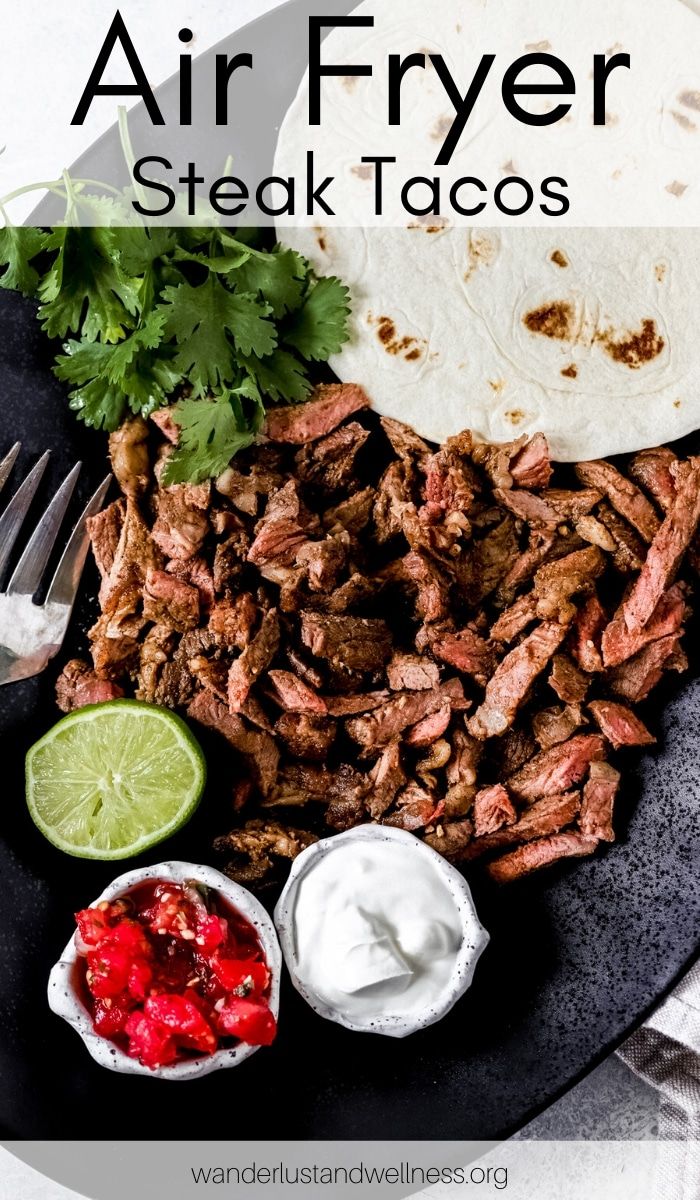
(474, 939)
(65, 1000)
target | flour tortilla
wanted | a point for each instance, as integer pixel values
(590, 335)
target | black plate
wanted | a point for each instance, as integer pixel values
(577, 957)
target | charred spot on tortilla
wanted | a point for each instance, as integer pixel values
(516, 416)
(683, 121)
(676, 188)
(660, 271)
(634, 349)
(430, 224)
(497, 385)
(482, 251)
(321, 238)
(559, 259)
(570, 372)
(677, 403)
(690, 99)
(534, 47)
(363, 170)
(555, 320)
(349, 82)
(407, 347)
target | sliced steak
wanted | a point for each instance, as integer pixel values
(636, 678)
(620, 725)
(170, 602)
(533, 856)
(294, 695)
(599, 793)
(586, 635)
(128, 450)
(552, 726)
(570, 684)
(547, 816)
(384, 781)
(181, 523)
(78, 685)
(105, 530)
(306, 735)
(653, 471)
(330, 405)
(388, 722)
(556, 583)
(351, 643)
(452, 839)
(259, 750)
(513, 678)
(232, 621)
(254, 660)
(283, 529)
(329, 464)
(254, 850)
(431, 728)
(432, 601)
(619, 643)
(551, 507)
(493, 808)
(624, 496)
(515, 619)
(630, 551)
(352, 706)
(412, 673)
(404, 442)
(555, 771)
(667, 550)
(531, 466)
(415, 807)
(467, 652)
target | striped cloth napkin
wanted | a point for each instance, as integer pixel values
(665, 1052)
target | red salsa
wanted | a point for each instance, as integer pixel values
(172, 973)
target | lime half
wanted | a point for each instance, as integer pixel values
(111, 780)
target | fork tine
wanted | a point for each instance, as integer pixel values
(65, 582)
(8, 463)
(31, 566)
(13, 516)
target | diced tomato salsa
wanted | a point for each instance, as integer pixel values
(172, 973)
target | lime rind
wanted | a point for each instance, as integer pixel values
(110, 781)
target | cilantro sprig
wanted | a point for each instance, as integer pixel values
(215, 323)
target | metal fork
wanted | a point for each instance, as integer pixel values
(31, 634)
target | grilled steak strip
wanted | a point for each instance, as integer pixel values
(512, 680)
(555, 771)
(535, 855)
(624, 496)
(667, 549)
(620, 725)
(599, 794)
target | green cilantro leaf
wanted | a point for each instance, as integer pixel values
(279, 277)
(85, 289)
(201, 320)
(281, 377)
(320, 327)
(212, 431)
(18, 245)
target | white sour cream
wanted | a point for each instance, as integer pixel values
(379, 933)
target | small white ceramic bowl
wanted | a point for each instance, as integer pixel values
(66, 1002)
(474, 939)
